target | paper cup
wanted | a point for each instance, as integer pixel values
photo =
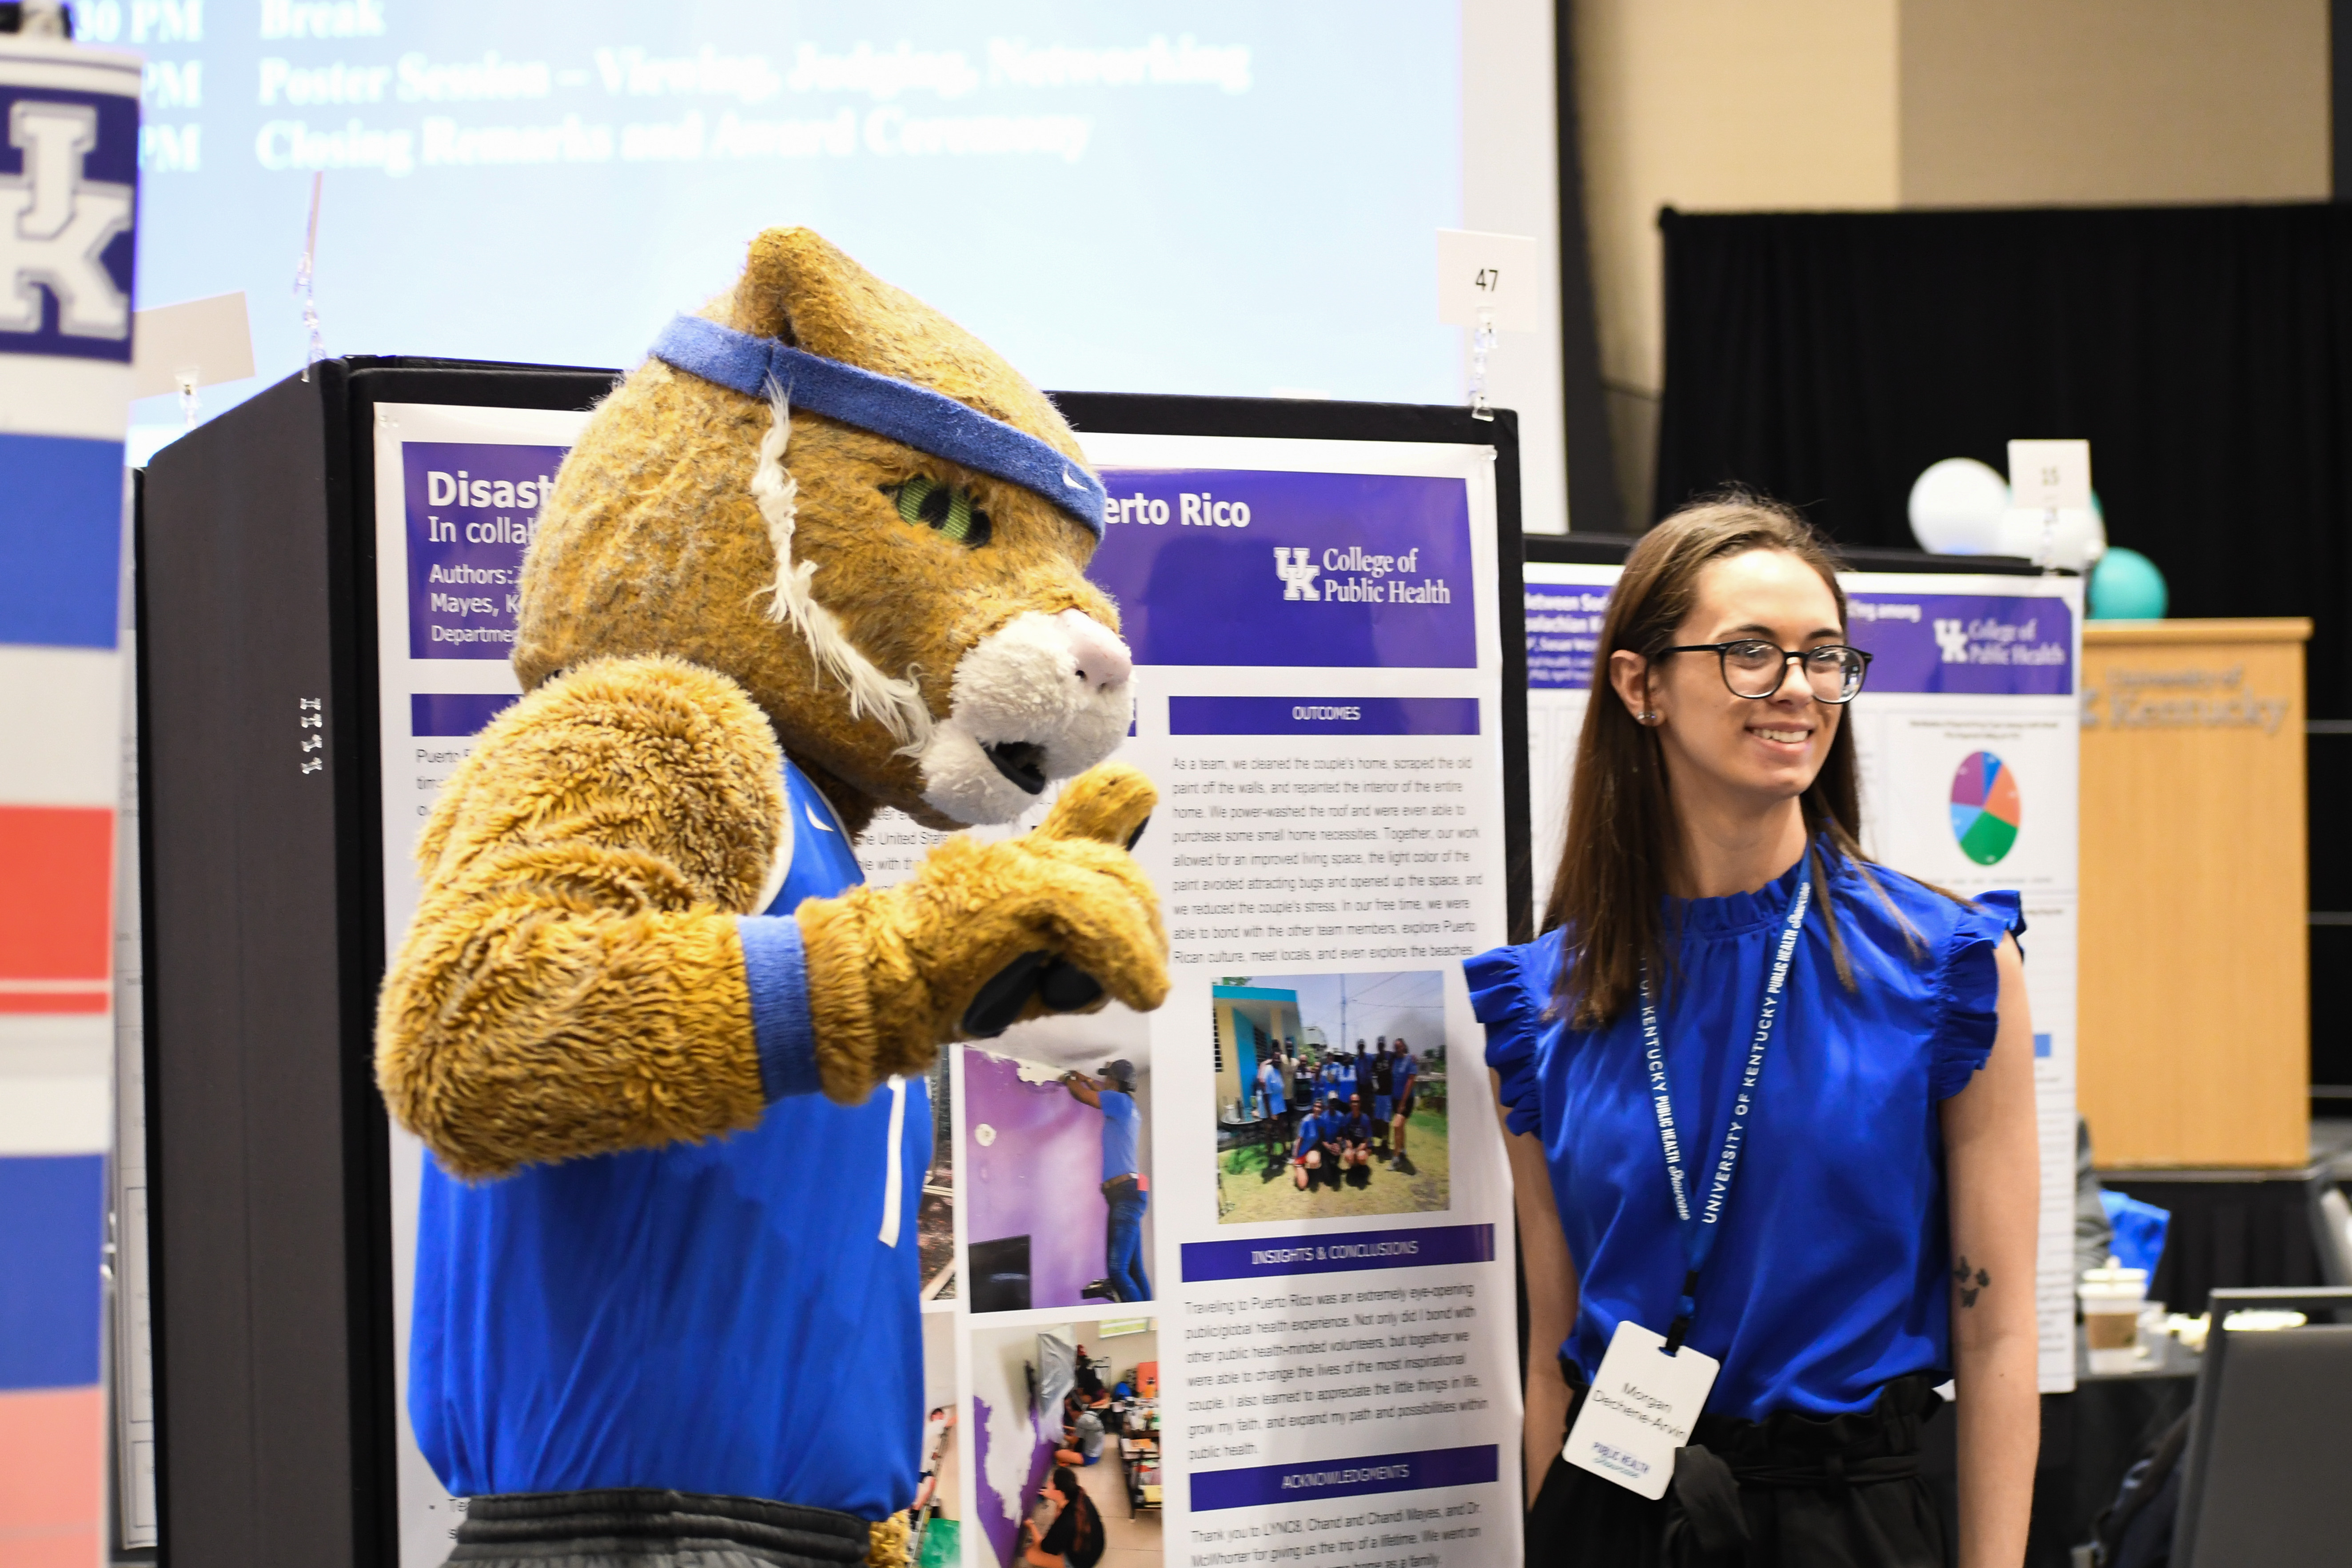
(2111, 1298)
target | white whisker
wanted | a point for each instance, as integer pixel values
(896, 705)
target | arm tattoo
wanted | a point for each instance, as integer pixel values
(1968, 1287)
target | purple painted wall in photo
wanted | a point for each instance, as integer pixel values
(1041, 1178)
(471, 508)
(1253, 567)
(1003, 1535)
(1998, 645)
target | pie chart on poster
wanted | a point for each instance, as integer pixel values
(1985, 807)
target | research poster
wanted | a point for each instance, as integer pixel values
(1305, 1329)
(1966, 735)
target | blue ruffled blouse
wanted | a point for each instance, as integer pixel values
(1830, 1278)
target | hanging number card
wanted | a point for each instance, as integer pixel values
(2050, 475)
(1491, 273)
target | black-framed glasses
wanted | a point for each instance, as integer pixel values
(1755, 669)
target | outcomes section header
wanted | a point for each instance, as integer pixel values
(1322, 715)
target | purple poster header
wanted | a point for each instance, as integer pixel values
(1564, 634)
(1993, 645)
(1316, 1480)
(471, 507)
(1254, 567)
(1342, 1253)
(1322, 715)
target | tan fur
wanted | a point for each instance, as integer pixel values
(891, 971)
(886, 1543)
(571, 981)
(654, 543)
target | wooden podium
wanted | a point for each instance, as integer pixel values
(2194, 1008)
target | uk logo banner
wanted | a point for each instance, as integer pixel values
(68, 197)
(69, 178)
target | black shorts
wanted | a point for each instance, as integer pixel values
(1871, 1507)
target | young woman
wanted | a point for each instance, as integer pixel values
(1874, 1212)
(1075, 1539)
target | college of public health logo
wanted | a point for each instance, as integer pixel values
(54, 225)
(1297, 571)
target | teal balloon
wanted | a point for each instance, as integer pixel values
(2127, 586)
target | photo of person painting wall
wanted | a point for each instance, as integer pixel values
(935, 1214)
(1065, 1424)
(1330, 1095)
(1057, 1132)
(936, 1521)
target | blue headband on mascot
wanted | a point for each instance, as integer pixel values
(913, 415)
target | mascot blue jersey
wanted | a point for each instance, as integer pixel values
(737, 1317)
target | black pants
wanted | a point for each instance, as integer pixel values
(1789, 1492)
(643, 1528)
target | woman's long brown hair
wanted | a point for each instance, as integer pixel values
(1090, 1523)
(1623, 847)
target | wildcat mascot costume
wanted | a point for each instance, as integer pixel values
(823, 553)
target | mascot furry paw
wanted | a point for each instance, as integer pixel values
(822, 554)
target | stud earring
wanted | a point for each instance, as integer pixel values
(1645, 717)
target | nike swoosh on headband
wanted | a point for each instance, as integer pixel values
(915, 416)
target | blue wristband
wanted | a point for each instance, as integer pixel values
(776, 971)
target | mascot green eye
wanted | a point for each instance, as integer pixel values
(947, 507)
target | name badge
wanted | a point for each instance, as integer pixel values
(1640, 1407)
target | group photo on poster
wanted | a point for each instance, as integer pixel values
(1310, 1125)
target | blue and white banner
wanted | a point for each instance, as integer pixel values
(68, 202)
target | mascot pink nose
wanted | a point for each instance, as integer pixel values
(1103, 660)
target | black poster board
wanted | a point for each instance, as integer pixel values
(262, 765)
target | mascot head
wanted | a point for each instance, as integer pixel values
(828, 491)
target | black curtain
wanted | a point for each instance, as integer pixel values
(2206, 352)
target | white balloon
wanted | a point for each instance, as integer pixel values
(2080, 538)
(1957, 506)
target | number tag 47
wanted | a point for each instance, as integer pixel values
(1497, 276)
